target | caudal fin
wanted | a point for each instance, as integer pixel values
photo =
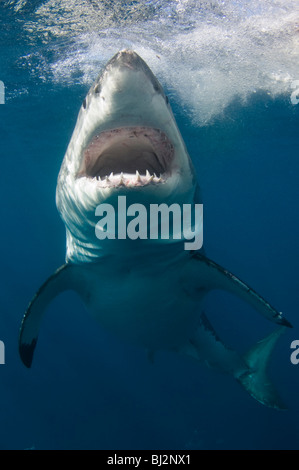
(256, 381)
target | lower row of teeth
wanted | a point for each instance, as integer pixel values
(128, 179)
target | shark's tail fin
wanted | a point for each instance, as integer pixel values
(256, 381)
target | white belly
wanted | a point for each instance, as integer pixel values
(143, 305)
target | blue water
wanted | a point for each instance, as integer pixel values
(86, 389)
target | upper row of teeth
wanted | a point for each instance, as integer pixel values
(125, 178)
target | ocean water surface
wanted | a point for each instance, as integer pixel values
(231, 71)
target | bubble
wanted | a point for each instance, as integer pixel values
(205, 53)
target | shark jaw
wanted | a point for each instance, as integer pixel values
(128, 157)
(126, 142)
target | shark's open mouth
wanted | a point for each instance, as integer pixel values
(128, 156)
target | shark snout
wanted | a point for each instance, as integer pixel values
(127, 58)
(134, 72)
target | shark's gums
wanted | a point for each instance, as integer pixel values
(126, 143)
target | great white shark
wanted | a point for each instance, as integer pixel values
(126, 142)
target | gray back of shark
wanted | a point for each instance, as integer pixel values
(126, 143)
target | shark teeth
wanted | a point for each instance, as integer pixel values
(129, 180)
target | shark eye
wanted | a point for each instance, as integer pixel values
(84, 103)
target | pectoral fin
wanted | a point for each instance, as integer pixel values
(61, 280)
(208, 275)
